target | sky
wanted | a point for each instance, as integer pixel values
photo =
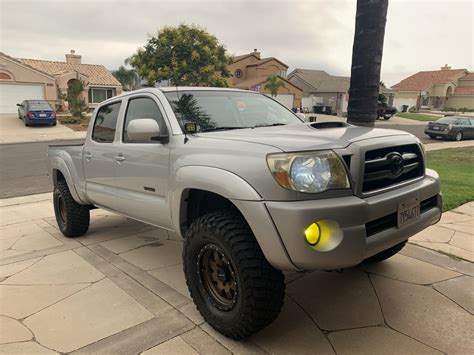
(308, 34)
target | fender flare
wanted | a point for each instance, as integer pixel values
(58, 164)
(215, 180)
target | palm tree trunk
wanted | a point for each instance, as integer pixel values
(367, 51)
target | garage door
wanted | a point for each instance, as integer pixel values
(285, 99)
(12, 94)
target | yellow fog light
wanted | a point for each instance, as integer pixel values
(324, 235)
(313, 234)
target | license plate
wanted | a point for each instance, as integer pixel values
(436, 128)
(408, 212)
(42, 115)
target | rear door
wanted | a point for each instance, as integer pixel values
(143, 172)
(99, 156)
(466, 127)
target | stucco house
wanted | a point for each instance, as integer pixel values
(436, 89)
(321, 88)
(30, 79)
(251, 72)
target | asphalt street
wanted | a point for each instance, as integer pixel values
(23, 165)
(23, 168)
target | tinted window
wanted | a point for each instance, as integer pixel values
(464, 122)
(38, 105)
(105, 123)
(447, 120)
(143, 107)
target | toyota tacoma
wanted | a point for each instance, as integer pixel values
(251, 188)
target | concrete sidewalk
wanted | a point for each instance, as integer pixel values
(120, 289)
(13, 130)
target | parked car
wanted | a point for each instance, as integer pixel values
(451, 127)
(36, 112)
(384, 111)
(251, 188)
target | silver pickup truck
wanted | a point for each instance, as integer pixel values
(252, 189)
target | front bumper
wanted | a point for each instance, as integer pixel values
(353, 215)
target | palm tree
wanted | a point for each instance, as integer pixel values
(273, 85)
(371, 16)
(128, 78)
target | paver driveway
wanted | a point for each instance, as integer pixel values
(120, 289)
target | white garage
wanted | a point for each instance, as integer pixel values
(12, 94)
(285, 99)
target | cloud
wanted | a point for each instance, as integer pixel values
(315, 34)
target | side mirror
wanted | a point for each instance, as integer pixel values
(19, 105)
(145, 130)
(301, 116)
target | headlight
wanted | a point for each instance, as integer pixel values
(309, 172)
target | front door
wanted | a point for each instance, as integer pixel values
(143, 172)
(99, 157)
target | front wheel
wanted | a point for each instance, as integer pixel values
(232, 284)
(387, 117)
(458, 136)
(73, 219)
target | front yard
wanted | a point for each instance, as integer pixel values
(418, 116)
(456, 169)
(74, 122)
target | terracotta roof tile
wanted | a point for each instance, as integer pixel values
(265, 60)
(468, 76)
(96, 74)
(464, 90)
(425, 79)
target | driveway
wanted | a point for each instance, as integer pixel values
(13, 130)
(120, 289)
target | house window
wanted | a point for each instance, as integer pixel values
(282, 73)
(97, 95)
(238, 73)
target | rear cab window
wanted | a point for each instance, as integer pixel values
(105, 123)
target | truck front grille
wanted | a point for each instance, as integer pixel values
(392, 165)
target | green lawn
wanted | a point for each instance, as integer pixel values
(417, 116)
(456, 169)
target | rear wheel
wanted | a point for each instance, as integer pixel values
(458, 137)
(232, 284)
(384, 255)
(387, 117)
(73, 219)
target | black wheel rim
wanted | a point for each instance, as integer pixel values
(62, 210)
(217, 277)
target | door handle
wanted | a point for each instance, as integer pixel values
(119, 158)
(87, 155)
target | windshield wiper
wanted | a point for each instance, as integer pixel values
(269, 125)
(222, 128)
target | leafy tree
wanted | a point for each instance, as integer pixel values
(188, 110)
(128, 78)
(77, 104)
(367, 52)
(186, 55)
(273, 85)
(382, 98)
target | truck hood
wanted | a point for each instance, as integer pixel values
(306, 136)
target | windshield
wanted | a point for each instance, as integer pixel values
(39, 105)
(447, 120)
(220, 110)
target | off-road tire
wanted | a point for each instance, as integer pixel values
(77, 218)
(260, 287)
(384, 255)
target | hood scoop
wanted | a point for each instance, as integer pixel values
(325, 125)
